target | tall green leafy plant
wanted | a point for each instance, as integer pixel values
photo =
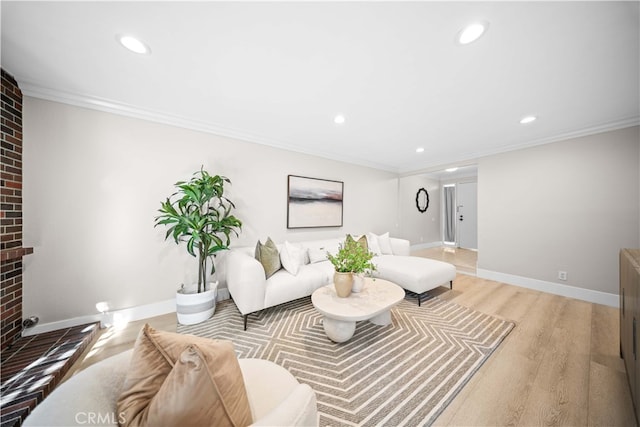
(199, 214)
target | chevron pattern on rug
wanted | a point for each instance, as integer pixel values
(403, 374)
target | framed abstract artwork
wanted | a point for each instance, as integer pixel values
(314, 202)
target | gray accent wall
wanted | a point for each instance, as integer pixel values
(567, 206)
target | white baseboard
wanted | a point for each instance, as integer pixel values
(62, 324)
(223, 294)
(467, 273)
(612, 300)
(125, 315)
(425, 246)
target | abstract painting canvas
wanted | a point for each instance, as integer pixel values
(314, 202)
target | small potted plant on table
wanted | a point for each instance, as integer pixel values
(199, 215)
(350, 263)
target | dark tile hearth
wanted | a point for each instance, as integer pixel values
(35, 365)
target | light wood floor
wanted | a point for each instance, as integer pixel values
(465, 260)
(560, 365)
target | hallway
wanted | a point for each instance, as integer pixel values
(465, 260)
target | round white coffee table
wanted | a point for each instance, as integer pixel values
(373, 303)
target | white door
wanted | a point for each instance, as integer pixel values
(467, 215)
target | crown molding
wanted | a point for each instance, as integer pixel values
(576, 133)
(128, 110)
(475, 156)
(109, 106)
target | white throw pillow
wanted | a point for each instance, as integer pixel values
(372, 242)
(385, 244)
(292, 257)
(317, 255)
(379, 245)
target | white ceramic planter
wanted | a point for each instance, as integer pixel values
(193, 307)
(358, 282)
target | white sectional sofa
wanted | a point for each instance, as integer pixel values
(252, 291)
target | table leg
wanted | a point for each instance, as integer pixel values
(338, 330)
(382, 319)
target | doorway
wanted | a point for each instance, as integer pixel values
(467, 215)
(460, 215)
(449, 214)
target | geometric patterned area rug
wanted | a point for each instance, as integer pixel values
(403, 374)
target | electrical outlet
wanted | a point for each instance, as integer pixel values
(562, 275)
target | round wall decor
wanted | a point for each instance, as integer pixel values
(422, 200)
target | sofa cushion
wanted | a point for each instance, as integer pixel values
(292, 257)
(268, 256)
(176, 379)
(283, 287)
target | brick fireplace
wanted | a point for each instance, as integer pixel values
(11, 250)
(33, 366)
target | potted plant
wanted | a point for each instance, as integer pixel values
(199, 215)
(350, 263)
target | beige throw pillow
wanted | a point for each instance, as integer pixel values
(267, 254)
(362, 241)
(183, 380)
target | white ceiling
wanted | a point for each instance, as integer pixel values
(277, 73)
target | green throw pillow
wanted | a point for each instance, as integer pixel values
(362, 241)
(268, 256)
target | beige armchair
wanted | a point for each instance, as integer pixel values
(89, 397)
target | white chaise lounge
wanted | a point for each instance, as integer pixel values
(415, 274)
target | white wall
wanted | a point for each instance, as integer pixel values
(565, 206)
(417, 227)
(93, 182)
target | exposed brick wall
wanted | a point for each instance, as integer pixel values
(11, 210)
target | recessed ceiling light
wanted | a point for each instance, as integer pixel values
(451, 169)
(339, 119)
(134, 45)
(419, 150)
(472, 32)
(528, 119)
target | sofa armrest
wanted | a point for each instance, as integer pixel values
(298, 409)
(87, 398)
(246, 281)
(400, 246)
